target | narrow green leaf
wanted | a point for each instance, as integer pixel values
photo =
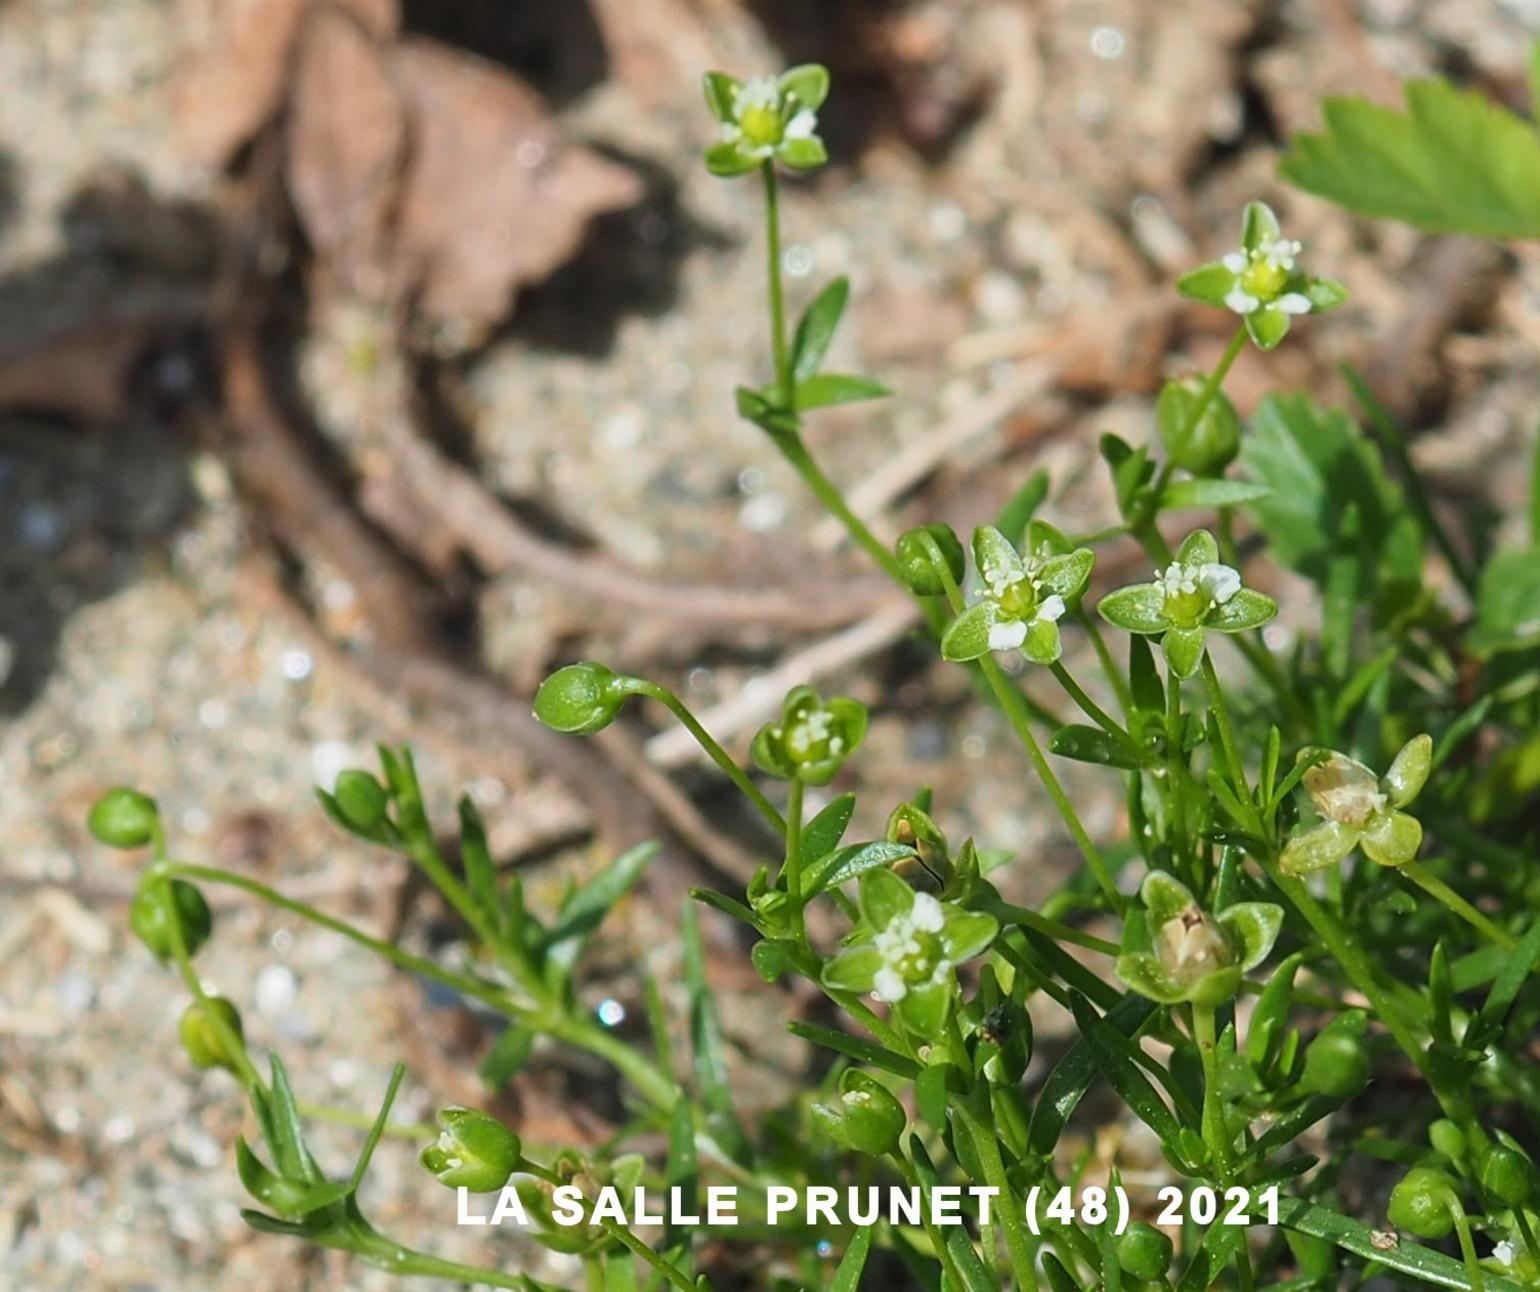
(476, 857)
(1123, 1074)
(1093, 745)
(378, 1129)
(288, 1140)
(710, 1058)
(508, 1054)
(845, 864)
(1186, 495)
(856, 1047)
(585, 909)
(830, 388)
(823, 833)
(682, 1171)
(1022, 506)
(847, 1277)
(816, 329)
(1073, 1074)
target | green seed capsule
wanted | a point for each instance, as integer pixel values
(579, 699)
(1144, 1251)
(202, 1040)
(473, 1151)
(873, 1119)
(1208, 447)
(123, 818)
(1421, 1203)
(1447, 1138)
(150, 916)
(361, 800)
(1335, 1066)
(914, 559)
(1505, 1174)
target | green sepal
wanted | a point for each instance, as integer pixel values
(1183, 649)
(1139, 608)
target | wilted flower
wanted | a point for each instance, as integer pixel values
(1193, 594)
(768, 117)
(1022, 599)
(1196, 956)
(910, 945)
(1361, 810)
(1262, 281)
(813, 738)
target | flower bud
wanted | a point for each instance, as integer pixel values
(1447, 1138)
(150, 916)
(1145, 1252)
(1421, 1203)
(473, 1151)
(579, 699)
(1335, 1062)
(123, 818)
(1208, 447)
(1505, 1174)
(873, 1118)
(916, 564)
(202, 1040)
(361, 800)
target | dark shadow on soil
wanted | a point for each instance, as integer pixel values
(629, 263)
(103, 355)
(555, 45)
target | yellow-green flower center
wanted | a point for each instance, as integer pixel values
(1264, 278)
(1018, 600)
(761, 124)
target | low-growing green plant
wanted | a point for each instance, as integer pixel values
(1279, 929)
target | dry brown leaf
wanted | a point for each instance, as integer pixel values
(346, 143)
(225, 94)
(494, 197)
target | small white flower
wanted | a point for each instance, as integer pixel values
(1177, 580)
(926, 914)
(1235, 261)
(1241, 302)
(1007, 636)
(1051, 610)
(888, 986)
(1504, 1253)
(1294, 303)
(1281, 252)
(1219, 581)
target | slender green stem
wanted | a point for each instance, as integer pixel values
(1088, 706)
(1347, 952)
(932, 1230)
(1437, 889)
(354, 1120)
(1467, 1247)
(717, 754)
(1053, 928)
(1176, 765)
(1227, 739)
(1215, 1133)
(1216, 380)
(987, 1147)
(1010, 701)
(793, 864)
(481, 991)
(405, 1262)
(1527, 1232)
(1110, 668)
(620, 1232)
(783, 375)
(230, 1041)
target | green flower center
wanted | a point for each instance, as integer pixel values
(1264, 278)
(761, 125)
(916, 961)
(812, 737)
(1018, 600)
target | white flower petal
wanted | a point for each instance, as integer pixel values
(1294, 303)
(1051, 610)
(887, 986)
(1241, 302)
(1007, 636)
(1219, 581)
(927, 914)
(1235, 262)
(802, 125)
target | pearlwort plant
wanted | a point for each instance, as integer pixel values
(1277, 930)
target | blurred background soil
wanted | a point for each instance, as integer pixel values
(361, 361)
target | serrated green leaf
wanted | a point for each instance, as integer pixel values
(1453, 162)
